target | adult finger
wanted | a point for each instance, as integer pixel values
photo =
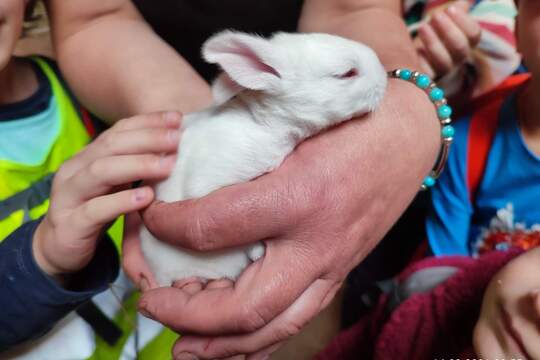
(133, 261)
(467, 24)
(265, 353)
(263, 291)
(267, 339)
(105, 173)
(452, 37)
(435, 51)
(226, 218)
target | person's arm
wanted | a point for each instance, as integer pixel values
(377, 23)
(116, 64)
(49, 267)
(319, 213)
(32, 301)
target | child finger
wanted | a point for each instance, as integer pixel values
(130, 142)
(467, 24)
(138, 141)
(452, 37)
(425, 65)
(168, 119)
(434, 50)
(96, 212)
(463, 5)
(105, 173)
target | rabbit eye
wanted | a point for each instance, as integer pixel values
(349, 74)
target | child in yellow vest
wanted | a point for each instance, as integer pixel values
(58, 195)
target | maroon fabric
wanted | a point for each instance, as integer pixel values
(438, 324)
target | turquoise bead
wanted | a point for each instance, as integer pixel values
(437, 94)
(405, 74)
(502, 247)
(429, 181)
(423, 81)
(448, 131)
(444, 111)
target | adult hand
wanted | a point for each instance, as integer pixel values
(319, 214)
(447, 40)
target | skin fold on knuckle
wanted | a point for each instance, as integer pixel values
(97, 169)
(111, 142)
(250, 319)
(120, 125)
(200, 232)
(460, 51)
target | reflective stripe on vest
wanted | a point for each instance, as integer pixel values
(24, 195)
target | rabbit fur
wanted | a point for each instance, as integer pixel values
(273, 94)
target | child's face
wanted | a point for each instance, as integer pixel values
(528, 34)
(11, 21)
(509, 324)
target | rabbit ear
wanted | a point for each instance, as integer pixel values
(248, 60)
(224, 88)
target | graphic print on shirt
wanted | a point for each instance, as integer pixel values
(505, 232)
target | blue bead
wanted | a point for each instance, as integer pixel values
(448, 131)
(429, 181)
(405, 74)
(502, 246)
(444, 111)
(423, 81)
(436, 94)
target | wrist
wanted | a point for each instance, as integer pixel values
(40, 243)
(437, 97)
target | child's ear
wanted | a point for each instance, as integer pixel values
(248, 60)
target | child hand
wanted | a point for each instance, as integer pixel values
(447, 40)
(93, 188)
(509, 324)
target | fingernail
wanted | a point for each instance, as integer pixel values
(452, 9)
(144, 312)
(172, 117)
(141, 194)
(185, 356)
(144, 284)
(167, 161)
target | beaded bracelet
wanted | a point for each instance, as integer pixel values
(444, 111)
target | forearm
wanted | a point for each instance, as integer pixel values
(378, 24)
(32, 302)
(117, 65)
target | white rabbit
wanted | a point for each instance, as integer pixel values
(273, 94)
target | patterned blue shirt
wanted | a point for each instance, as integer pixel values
(508, 196)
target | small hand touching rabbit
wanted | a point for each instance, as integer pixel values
(273, 94)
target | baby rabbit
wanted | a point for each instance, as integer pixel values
(273, 94)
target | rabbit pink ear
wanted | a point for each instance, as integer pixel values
(248, 60)
(224, 88)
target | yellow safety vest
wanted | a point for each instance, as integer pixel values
(24, 196)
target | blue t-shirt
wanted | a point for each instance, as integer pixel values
(507, 197)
